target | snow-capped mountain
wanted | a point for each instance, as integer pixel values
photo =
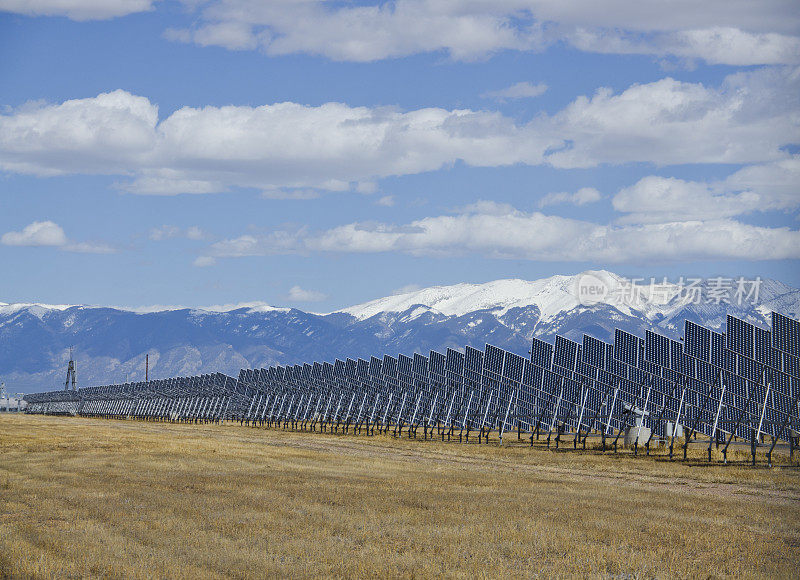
(111, 343)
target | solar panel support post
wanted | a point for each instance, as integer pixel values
(372, 417)
(357, 426)
(412, 424)
(449, 414)
(485, 415)
(736, 424)
(505, 418)
(246, 418)
(555, 414)
(386, 413)
(323, 423)
(693, 429)
(464, 418)
(308, 410)
(611, 411)
(763, 412)
(580, 417)
(430, 415)
(593, 421)
(399, 422)
(347, 415)
(716, 418)
(677, 422)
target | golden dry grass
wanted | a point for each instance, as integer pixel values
(96, 498)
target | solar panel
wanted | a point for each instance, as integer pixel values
(627, 347)
(493, 359)
(740, 337)
(595, 352)
(786, 334)
(565, 353)
(657, 349)
(541, 353)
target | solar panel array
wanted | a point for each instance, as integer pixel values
(210, 397)
(742, 384)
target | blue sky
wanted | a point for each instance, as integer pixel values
(320, 154)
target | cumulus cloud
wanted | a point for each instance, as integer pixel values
(298, 294)
(77, 9)
(292, 151)
(500, 231)
(581, 197)
(719, 31)
(523, 90)
(45, 233)
(766, 187)
(48, 233)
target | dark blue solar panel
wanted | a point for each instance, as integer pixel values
(375, 366)
(389, 366)
(627, 347)
(420, 365)
(740, 337)
(454, 362)
(697, 341)
(404, 364)
(513, 367)
(493, 359)
(657, 349)
(437, 363)
(350, 367)
(532, 374)
(473, 360)
(363, 368)
(565, 353)
(595, 352)
(786, 334)
(541, 353)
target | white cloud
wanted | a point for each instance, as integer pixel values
(726, 32)
(45, 233)
(77, 9)
(295, 151)
(655, 199)
(89, 248)
(204, 261)
(386, 201)
(112, 133)
(498, 231)
(715, 45)
(581, 197)
(298, 294)
(168, 232)
(523, 90)
(670, 122)
(48, 233)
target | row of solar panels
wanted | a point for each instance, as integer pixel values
(204, 397)
(744, 382)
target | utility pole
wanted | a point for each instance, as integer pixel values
(70, 373)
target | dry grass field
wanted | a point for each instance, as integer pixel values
(96, 498)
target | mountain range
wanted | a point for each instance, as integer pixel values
(110, 344)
